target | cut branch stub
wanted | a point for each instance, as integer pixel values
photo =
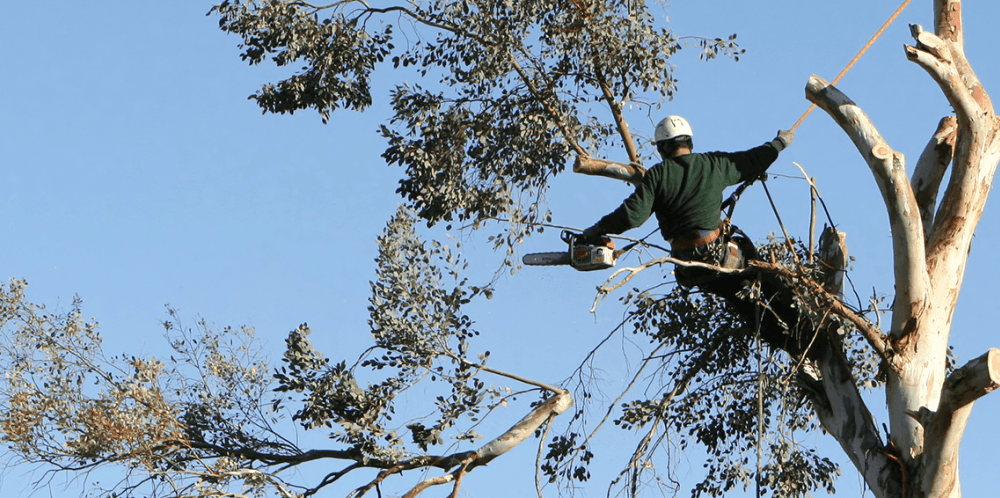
(631, 173)
(976, 379)
(938, 476)
(882, 151)
(833, 257)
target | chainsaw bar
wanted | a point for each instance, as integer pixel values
(547, 259)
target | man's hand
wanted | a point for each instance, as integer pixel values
(786, 137)
(590, 236)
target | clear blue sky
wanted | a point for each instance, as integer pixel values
(136, 174)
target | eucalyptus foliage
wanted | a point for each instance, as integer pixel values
(506, 90)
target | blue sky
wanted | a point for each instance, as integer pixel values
(136, 174)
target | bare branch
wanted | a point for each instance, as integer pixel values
(930, 169)
(888, 167)
(587, 165)
(555, 405)
(939, 60)
(945, 428)
(501, 373)
(976, 150)
(616, 112)
(610, 287)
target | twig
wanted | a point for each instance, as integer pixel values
(501, 373)
(608, 287)
(538, 457)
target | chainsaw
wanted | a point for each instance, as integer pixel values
(583, 257)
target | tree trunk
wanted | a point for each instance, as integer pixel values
(927, 411)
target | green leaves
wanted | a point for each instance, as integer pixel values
(517, 87)
(338, 54)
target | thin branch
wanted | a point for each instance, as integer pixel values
(680, 387)
(616, 113)
(608, 287)
(480, 366)
(538, 456)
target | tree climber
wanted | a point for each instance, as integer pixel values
(685, 192)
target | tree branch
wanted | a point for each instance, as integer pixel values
(874, 336)
(912, 282)
(616, 112)
(930, 169)
(945, 428)
(976, 150)
(469, 460)
(501, 373)
(842, 412)
(608, 287)
(514, 436)
(587, 165)
(940, 61)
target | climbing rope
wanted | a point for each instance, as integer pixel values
(731, 202)
(857, 57)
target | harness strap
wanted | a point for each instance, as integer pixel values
(682, 243)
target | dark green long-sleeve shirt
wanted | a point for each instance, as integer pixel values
(685, 191)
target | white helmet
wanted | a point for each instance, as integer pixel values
(672, 127)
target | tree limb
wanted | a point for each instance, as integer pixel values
(976, 150)
(616, 112)
(844, 415)
(945, 428)
(942, 63)
(912, 282)
(930, 169)
(587, 165)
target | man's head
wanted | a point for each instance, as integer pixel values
(673, 133)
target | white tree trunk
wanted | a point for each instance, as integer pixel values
(928, 412)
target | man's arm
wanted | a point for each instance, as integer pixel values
(633, 212)
(753, 163)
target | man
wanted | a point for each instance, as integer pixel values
(685, 192)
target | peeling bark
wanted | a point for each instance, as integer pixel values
(848, 420)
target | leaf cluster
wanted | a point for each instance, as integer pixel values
(507, 90)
